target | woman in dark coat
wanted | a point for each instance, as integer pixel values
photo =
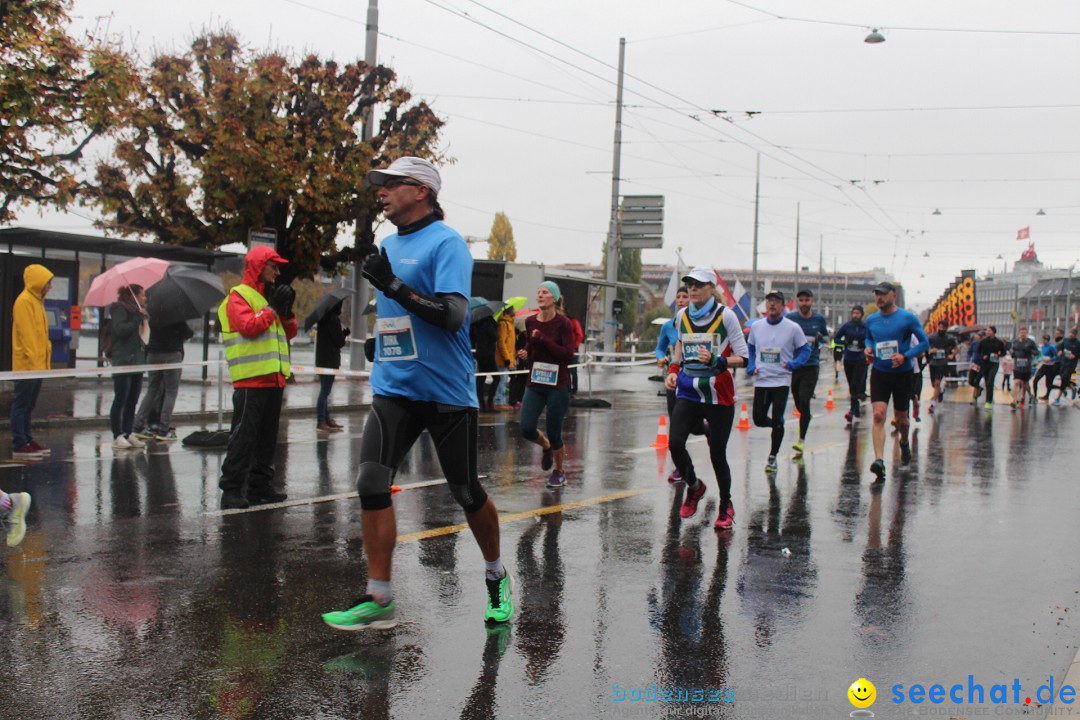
(330, 337)
(126, 318)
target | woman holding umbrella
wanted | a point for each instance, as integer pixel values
(329, 339)
(166, 346)
(127, 317)
(184, 293)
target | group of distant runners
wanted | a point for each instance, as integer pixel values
(781, 353)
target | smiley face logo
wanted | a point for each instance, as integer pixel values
(862, 693)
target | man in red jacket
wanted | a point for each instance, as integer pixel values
(257, 323)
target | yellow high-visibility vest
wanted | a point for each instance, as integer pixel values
(264, 354)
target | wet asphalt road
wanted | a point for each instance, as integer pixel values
(133, 596)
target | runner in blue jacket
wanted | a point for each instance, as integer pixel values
(889, 348)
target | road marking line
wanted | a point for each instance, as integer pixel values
(511, 517)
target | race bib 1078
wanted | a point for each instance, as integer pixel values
(396, 339)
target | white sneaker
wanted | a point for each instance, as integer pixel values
(121, 443)
(135, 442)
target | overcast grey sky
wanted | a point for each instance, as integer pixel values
(869, 138)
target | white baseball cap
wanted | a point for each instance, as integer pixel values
(411, 167)
(702, 275)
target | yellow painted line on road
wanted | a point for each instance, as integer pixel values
(512, 517)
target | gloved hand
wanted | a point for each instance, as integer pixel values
(369, 349)
(377, 269)
(290, 298)
(281, 299)
(346, 332)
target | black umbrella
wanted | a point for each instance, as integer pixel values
(185, 293)
(322, 307)
(483, 309)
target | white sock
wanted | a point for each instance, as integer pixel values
(381, 590)
(494, 570)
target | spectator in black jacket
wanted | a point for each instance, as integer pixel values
(152, 421)
(330, 337)
(485, 337)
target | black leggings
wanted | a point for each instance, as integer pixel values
(394, 424)
(855, 371)
(1045, 371)
(698, 429)
(803, 382)
(486, 365)
(689, 414)
(989, 373)
(775, 398)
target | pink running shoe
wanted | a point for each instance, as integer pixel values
(726, 518)
(690, 502)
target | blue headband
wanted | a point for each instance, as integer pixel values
(552, 288)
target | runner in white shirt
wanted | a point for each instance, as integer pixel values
(777, 346)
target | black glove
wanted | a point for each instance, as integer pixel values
(290, 298)
(281, 300)
(377, 269)
(369, 349)
(346, 332)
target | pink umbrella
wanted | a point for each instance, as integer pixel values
(136, 271)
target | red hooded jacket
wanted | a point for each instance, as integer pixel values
(251, 324)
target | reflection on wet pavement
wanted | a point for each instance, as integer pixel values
(133, 596)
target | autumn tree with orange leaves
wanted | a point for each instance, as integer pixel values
(222, 139)
(58, 94)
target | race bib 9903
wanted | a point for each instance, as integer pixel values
(692, 343)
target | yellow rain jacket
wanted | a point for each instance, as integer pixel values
(30, 346)
(505, 353)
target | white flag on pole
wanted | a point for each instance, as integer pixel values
(673, 284)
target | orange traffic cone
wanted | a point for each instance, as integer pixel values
(829, 404)
(744, 419)
(797, 413)
(661, 433)
(394, 489)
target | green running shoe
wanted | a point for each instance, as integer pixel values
(500, 599)
(366, 614)
(798, 448)
(15, 518)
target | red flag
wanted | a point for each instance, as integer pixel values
(1023, 233)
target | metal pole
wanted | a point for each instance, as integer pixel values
(220, 389)
(588, 366)
(613, 224)
(361, 288)
(757, 203)
(798, 207)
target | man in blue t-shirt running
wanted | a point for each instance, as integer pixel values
(889, 348)
(422, 379)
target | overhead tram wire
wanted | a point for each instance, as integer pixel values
(395, 38)
(839, 23)
(841, 187)
(471, 19)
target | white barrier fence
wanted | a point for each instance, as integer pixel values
(110, 370)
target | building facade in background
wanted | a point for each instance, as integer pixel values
(999, 296)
